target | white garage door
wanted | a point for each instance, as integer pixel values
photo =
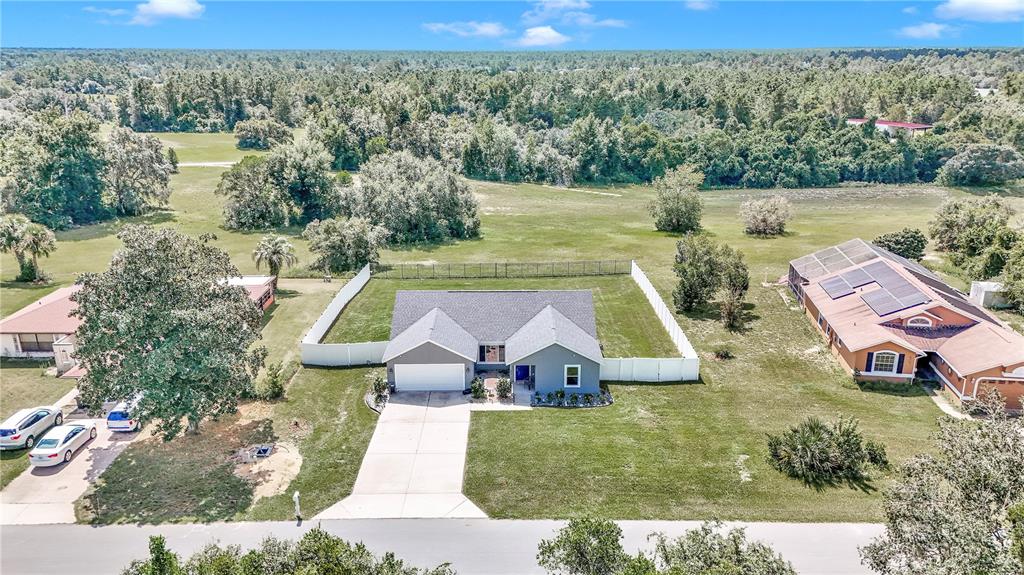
(430, 376)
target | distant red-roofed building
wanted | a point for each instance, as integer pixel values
(46, 329)
(891, 128)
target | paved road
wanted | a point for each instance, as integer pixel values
(472, 546)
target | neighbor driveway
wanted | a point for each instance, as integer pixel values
(414, 464)
(43, 495)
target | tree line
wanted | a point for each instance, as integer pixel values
(745, 119)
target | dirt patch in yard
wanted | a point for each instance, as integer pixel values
(271, 475)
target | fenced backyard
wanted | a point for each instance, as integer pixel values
(366, 344)
(442, 271)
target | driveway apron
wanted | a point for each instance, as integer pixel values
(415, 462)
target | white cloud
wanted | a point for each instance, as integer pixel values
(542, 36)
(588, 20)
(106, 11)
(910, 10)
(982, 10)
(926, 30)
(545, 10)
(701, 4)
(154, 10)
(468, 29)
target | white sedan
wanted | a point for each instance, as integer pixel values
(60, 443)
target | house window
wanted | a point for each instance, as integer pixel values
(492, 354)
(572, 376)
(919, 322)
(885, 362)
(821, 320)
(36, 341)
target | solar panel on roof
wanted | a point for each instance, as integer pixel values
(857, 277)
(902, 290)
(862, 257)
(836, 287)
(916, 298)
(881, 302)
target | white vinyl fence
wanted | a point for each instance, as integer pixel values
(651, 369)
(647, 369)
(340, 354)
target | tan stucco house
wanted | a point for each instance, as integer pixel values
(888, 318)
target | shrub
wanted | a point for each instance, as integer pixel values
(677, 206)
(551, 397)
(908, 242)
(414, 199)
(477, 389)
(983, 165)
(341, 245)
(819, 452)
(766, 216)
(504, 388)
(697, 267)
(588, 399)
(261, 134)
(723, 352)
(574, 399)
(315, 552)
(272, 386)
(380, 389)
(253, 201)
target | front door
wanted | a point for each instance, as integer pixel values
(524, 372)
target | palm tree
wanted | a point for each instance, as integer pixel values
(39, 241)
(12, 237)
(276, 252)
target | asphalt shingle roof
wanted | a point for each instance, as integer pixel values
(493, 316)
(545, 329)
(526, 321)
(435, 327)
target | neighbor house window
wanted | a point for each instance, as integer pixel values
(919, 322)
(36, 341)
(885, 361)
(821, 320)
(572, 376)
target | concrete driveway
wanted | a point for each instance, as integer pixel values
(414, 464)
(43, 495)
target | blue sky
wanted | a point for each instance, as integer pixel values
(550, 24)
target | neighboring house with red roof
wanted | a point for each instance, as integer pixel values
(46, 328)
(42, 329)
(889, 318)
(891, 128)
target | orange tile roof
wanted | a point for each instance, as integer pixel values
(979, 347)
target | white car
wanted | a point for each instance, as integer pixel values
(120, 418)
(60, 443)
(21, 430)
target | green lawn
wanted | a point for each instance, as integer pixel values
(25, 384)
(660, 451)
(682, 451)
(626, 324)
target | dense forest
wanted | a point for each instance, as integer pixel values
(749, 119)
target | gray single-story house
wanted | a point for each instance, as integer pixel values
(440, 340)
